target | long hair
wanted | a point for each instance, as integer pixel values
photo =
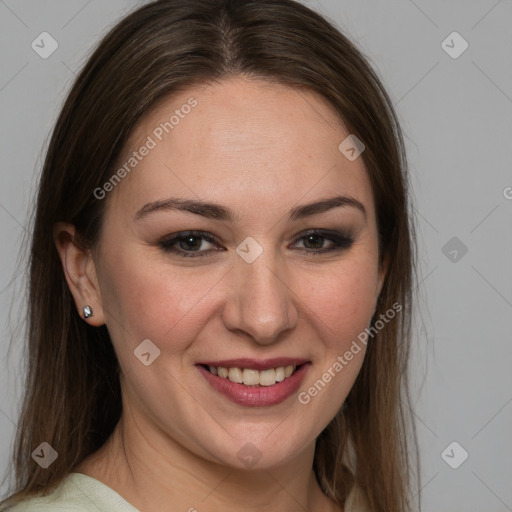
(72, 397)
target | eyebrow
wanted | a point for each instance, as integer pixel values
(219, 212)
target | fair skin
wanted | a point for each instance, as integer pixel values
(259, 149)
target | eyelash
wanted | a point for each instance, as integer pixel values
(340, 240)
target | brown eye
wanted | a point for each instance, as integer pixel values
(314, 242)
(192, 243)
(188, 244)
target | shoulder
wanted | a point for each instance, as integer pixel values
(76, 493)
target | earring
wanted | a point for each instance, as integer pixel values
(87, 311)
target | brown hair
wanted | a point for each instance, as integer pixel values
(72, 394)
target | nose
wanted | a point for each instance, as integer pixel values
(260, 304)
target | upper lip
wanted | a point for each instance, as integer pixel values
(256, 364)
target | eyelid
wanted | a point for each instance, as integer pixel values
(189, 232)
(327, 233)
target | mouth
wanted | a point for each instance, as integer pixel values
(250, 383)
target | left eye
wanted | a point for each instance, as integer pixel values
(315, 241)
(338, 241)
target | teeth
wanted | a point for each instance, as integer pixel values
(268, 377)
(235, 375)
(251, 377)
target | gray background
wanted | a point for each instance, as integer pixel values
(456, 115)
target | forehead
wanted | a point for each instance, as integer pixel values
(243, 140)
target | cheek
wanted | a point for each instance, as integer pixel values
(343, 301)
(340, 306)
(144, 300)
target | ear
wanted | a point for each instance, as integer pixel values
(79, 271)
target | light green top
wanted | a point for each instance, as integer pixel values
(82, 493)
(77, 493)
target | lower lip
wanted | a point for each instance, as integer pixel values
(261, 396)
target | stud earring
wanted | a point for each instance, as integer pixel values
(87, 311)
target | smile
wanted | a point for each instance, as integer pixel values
(242, 383)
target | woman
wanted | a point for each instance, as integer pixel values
(221, 274)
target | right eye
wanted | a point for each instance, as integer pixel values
(187, 244)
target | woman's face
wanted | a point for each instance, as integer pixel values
(252, 288)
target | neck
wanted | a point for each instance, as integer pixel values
(152, 471)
